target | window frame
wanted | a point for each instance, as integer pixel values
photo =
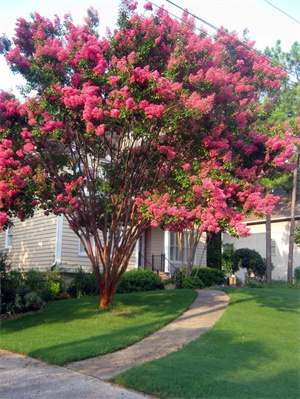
(9, 237)
(81, 251)
(173, 247)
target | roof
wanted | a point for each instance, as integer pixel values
(282, 209)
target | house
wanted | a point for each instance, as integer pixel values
(44, 242)
(280, 230)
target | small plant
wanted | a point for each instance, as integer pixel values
(33, 301)
(254, 284)
(297, 275)
(63, 295)
(51, 290)
(227, 258)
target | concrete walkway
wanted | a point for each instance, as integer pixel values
(25, 378)
(202, 315)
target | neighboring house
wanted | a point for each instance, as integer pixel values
(280, 230)
(43, 242)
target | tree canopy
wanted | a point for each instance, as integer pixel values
(151, 125)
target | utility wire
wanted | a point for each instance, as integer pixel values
(283, 12)
(215, 28)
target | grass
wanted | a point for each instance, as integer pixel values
(75, 329)
(252, 352)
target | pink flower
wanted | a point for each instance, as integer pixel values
(114, 113)
(100, 130)
(28, 147)
(148, 6)
(186, 167)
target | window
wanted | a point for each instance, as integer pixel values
(9, 237)
(273, 247)
(81, 251)
(174, 249)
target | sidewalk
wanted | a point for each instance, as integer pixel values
(26, 378)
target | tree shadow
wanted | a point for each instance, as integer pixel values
(217, 365)
(281, 299)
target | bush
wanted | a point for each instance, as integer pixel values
(33, 301)
(250, 260)
(10, 282)
(297, 275)
(192, 283)
(51, 290)
(210, 276)
(139, 280)
(207, 275)
(15, 284)
(254, 284)
(83, 284)
(28, 301)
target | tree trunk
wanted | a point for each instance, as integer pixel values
(292, 224)
(268, 249)
(107, 295)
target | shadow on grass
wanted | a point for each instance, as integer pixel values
(159, 303)
(216, 366)
(269, 298)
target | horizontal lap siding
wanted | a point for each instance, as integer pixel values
(33, 242)
(70, 249)
(155, 238)
(70, 257)
(199, 252)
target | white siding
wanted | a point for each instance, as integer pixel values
(33, 242)
(257, 241)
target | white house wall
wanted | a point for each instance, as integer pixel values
(257, 241)
(33, 244)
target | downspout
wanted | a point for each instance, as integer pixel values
(58, 242)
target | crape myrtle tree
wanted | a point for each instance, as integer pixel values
(153, 124)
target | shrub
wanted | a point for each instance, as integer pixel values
(297, 275)
(10, 282)
(192, 283)
(83, 284)
(210, 276)
(250, 260)
(20, 303)
(254, 284)
(28, 301)
(51, 290)
(139, 280)
(207, 275)
(33, 301)
(35, 280)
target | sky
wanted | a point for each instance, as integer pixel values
(264, 22)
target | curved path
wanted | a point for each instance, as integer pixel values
(201, 316)
(23, 377)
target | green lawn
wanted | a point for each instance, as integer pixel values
(75, 329)
(252, 352)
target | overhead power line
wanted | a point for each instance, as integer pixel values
(216, 29)
(283, 12)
